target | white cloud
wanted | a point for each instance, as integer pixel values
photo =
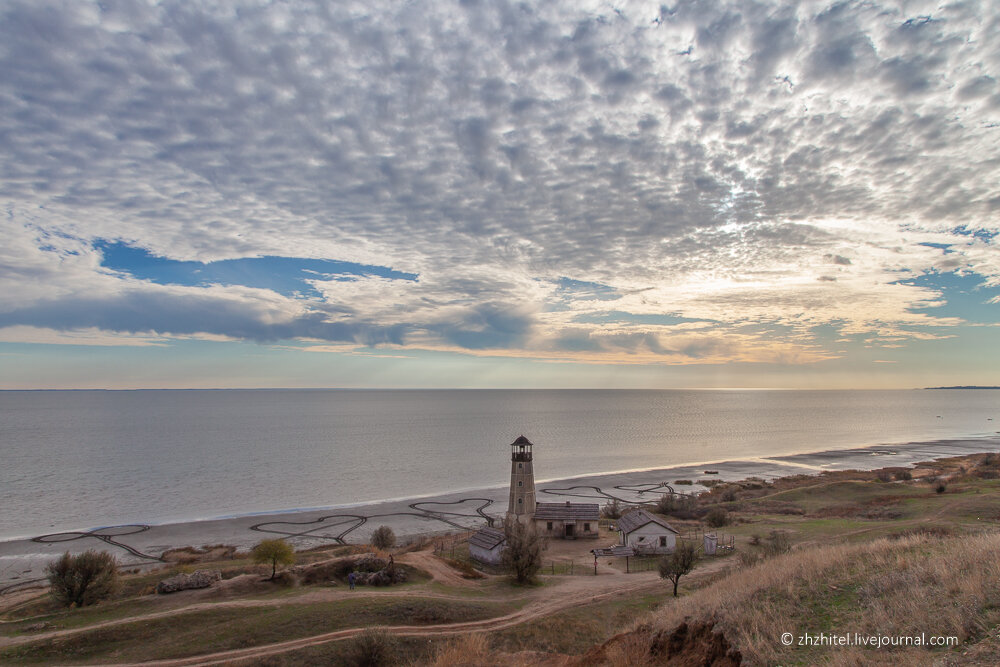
(748, 163)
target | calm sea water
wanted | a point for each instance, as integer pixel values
(89, 458)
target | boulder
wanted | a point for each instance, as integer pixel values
(184, 582)
(385, 577)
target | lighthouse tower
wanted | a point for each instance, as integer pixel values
(522, 481)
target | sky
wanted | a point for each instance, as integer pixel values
(374, 194)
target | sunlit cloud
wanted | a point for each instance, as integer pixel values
(705, 183)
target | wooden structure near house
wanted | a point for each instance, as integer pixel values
(646, 533)
(486, 545)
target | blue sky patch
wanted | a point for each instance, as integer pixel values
(285, 275)
(614, 316)
(965, 296)
(581, 289)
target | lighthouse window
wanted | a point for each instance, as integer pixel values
(520, 483)
(520, 465)
(520, 500)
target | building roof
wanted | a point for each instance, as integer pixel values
(639, 518)
(614, 551)
(567, 511)
(487, 538)
(521, 440)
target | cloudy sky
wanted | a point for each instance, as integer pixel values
(437, 194)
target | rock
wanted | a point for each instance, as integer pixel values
(183, 582)
(381, 578)
(35, 627)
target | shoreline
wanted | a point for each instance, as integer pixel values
(22, 560)
(790, 459)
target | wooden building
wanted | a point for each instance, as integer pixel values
(568, 520)
(486, 545)
(646, 533)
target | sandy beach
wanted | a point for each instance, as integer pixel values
(22, 561)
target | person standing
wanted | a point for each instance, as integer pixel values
(351, 578)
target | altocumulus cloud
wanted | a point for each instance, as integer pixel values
(700, 182)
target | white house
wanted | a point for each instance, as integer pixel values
(486, 545)
(646, 533)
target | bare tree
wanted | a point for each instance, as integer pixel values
(679, 563)
(522, 557)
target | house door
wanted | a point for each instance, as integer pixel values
(569, 529)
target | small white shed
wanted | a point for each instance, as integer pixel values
(646, 533)
(486, 545)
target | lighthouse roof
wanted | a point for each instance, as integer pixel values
(521, 440)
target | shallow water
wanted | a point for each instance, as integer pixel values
(89, 458)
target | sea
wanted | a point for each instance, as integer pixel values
(85, 459)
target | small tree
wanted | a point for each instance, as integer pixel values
(612, 509)
(383, 538)
(522, 557)
(276, 552)
(83, 580)
(679, 563)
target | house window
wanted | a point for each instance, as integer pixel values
(586, 527)
(642, 538)
(663, 541)
(548, 525)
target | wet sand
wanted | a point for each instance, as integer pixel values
(23, 561)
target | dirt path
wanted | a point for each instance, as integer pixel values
(437, 568)
(564, 592)
(572, 591)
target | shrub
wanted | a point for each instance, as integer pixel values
(276, 552)
(748, 558)
(522, 557)
(755, 539)
(903, 475)
(612, 509)
(374, 647)
(383, 538)
(717, 517)
(777, 543)
(883, 475)
(728, 494)
(677, 505)
(83, 580)
(683, 482)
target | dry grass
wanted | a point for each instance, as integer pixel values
(917, 584)
(631, 651)
(465, 651)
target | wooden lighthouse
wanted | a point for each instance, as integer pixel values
(522, 482)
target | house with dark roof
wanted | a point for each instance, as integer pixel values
(568, 520)
(646, 533)
(487, 544)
